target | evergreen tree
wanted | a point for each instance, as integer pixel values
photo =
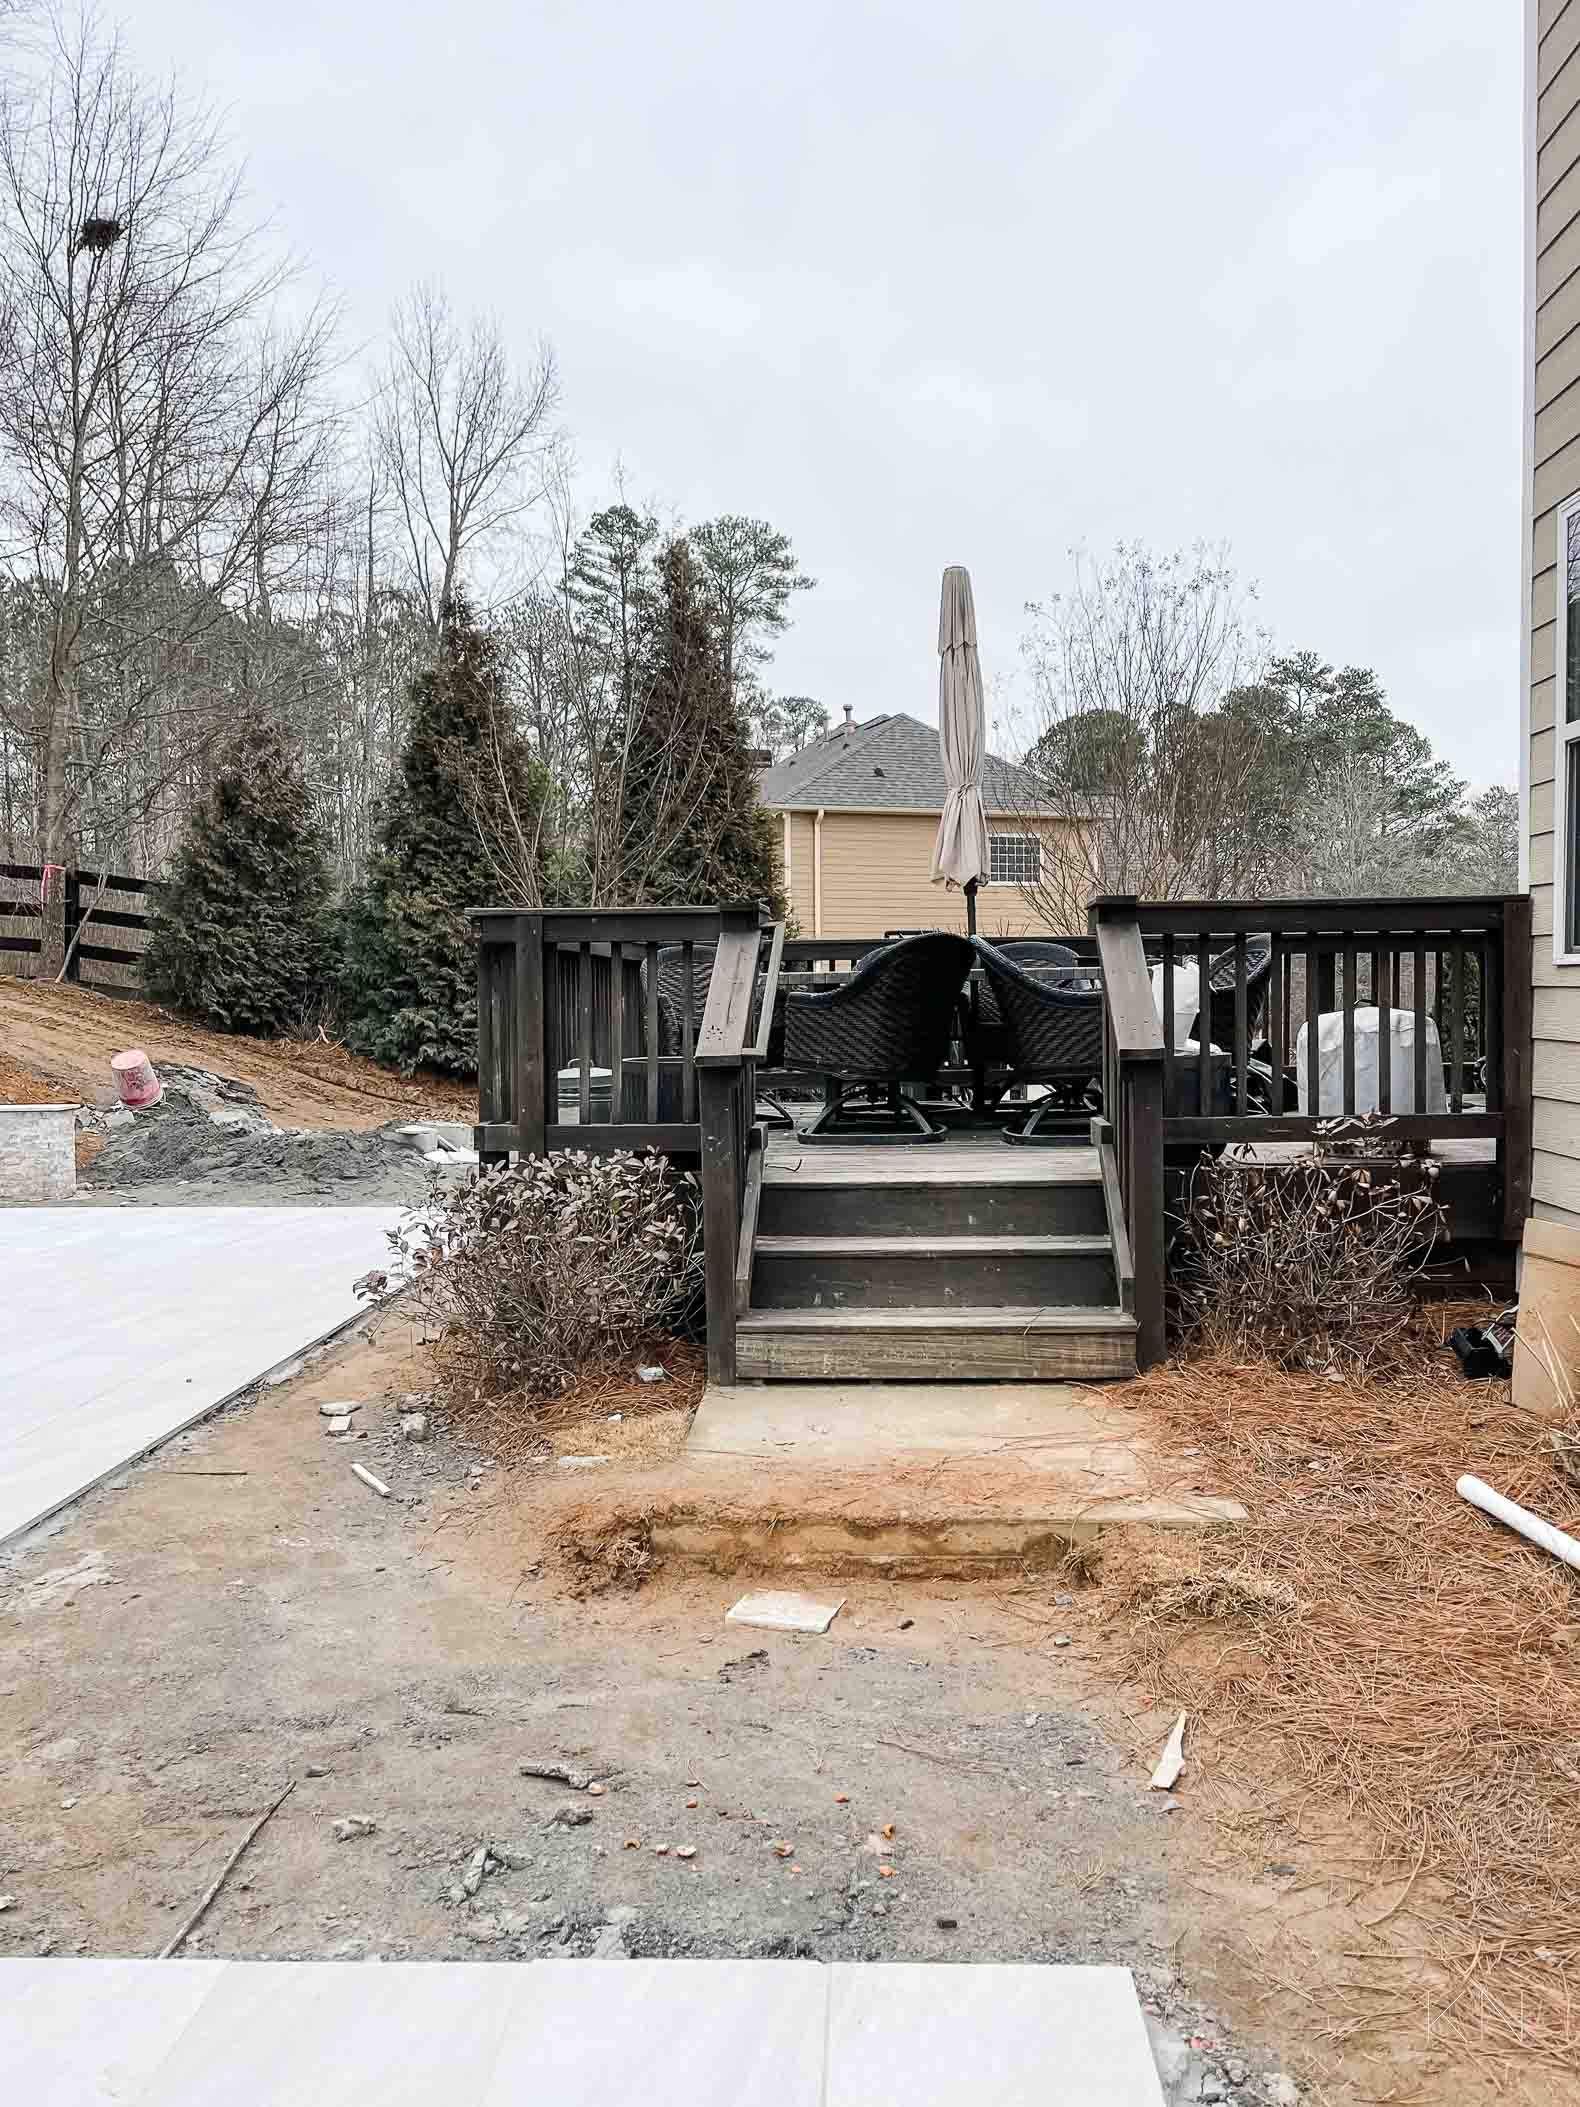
(238, 934)
(692, 829)
(461, 824)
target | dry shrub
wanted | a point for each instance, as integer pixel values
(1308, 1263)
(531, 1276)
(1421, 1666)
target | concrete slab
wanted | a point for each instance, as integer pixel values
(915, 1478)
(123, 1326)
(199, 2033)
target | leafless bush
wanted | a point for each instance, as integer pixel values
(1306, 1263)
(530, 1276)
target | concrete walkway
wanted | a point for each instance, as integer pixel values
(122, 1326)
(202, 2033)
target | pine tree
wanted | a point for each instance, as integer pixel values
(460, 825)
(238, 935)
(692, 829)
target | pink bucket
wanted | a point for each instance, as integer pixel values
(135, 1081)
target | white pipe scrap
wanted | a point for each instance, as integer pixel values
(1530, 1526)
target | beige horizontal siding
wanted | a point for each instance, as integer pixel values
(1542, 693)
(799, 879)
(1555, 1130)
(1558, 368)
(1542, 908)
(1557, 426)
(1547, 13)
(1558, 153)
(1555, 1070)
(1558, 207)
(1556, 314)
(1556, 44)
(876, 876)
(1557, 479)
(1542, 757)
(1558, 94)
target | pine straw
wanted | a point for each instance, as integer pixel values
(519, 1429)
(1369, 1630)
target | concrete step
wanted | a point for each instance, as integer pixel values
(841, 1478)
(995, 1343)
(930, 1271)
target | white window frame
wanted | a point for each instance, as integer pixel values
(1566, 739)
(1033, 842)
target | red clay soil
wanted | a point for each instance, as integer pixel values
(56, 1043)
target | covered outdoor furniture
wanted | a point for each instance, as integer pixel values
(889, 1024)
(1053, 1035)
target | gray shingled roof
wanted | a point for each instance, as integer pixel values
(889, 762)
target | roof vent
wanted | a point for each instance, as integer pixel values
(849, 727)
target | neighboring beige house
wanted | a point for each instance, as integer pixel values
(858, 812)
(1550, 744)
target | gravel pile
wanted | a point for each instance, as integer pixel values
(210, 1132)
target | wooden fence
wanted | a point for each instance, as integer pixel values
(84, 893)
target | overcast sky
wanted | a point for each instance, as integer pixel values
(930, 284)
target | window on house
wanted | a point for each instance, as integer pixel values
(1016, 859)
(1566, 739)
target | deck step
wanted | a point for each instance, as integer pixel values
(931, 1271)
(999, 1343)
(958, 1198)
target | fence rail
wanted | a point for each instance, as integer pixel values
(82, 891)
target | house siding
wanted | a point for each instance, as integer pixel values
(877, 876)
(1552, 149)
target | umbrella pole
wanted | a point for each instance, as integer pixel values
(971, 906)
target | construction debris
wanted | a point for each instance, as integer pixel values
(368, 1479)
(350, 1825)
(223, 1875)
(1172, 1760)
(1531, 1526)
(775, 1611)
(341, 1408)
(476, 1867)
(558, 1774)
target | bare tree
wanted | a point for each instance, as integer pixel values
(464, 437)
(163, 436)
(1152, 788)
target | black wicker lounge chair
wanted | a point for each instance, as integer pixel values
(889, 1024)
(1054, 1035)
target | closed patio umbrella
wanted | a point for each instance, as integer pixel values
(960, 854)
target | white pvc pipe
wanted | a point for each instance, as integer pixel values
(1531, 1526)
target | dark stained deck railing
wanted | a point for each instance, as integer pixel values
(1460, 965)
(568, 1052)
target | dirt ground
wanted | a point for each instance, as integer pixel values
(64, 1036)
(241, 1612)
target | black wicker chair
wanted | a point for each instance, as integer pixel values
(671, 977)
(1054, 1035)
(890, 1023)
(1220, 991)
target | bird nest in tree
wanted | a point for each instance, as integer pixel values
(99, 233)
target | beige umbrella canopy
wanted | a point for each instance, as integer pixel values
(960, 854)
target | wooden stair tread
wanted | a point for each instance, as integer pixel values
(858, 1245)
(921, 1168)
(1050, 1317)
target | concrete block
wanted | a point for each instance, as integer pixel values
(38, 1152)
